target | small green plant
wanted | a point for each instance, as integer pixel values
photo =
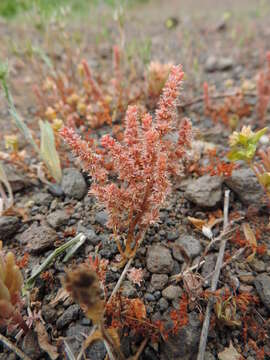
(244, 146)
(47, 150)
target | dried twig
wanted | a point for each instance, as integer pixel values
(205, 328)
(217, 96)
(14, 348)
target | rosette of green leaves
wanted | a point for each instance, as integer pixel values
(245, 146)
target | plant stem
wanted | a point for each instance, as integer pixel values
(14, 348)
(206, 323)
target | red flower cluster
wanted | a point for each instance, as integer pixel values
(131, 178)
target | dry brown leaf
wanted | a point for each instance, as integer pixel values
(251, 238)
(198, 223)
(43, 340)
(229, 353)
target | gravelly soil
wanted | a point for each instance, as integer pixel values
(201, 32)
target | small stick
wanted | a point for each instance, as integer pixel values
(14, 348)
(124, 272)
(120, 280)
(205, 328)
(217, 96)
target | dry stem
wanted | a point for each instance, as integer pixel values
(205, 328)
(14, 348)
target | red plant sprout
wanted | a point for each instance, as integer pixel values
(263, 91)
(137, 180)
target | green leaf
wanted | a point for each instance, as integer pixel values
(265, 179)
(236, 154)
(12, 110)
(256, 137)
(48, 151)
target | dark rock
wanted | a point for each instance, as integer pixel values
(191, 245)
(149, 297)
(149, 354)
(75, 337)
(262, 283)
(69, 315)
(102, 218)
(209, 265)
(245, 185)
(211, 64)
(30, 345)
(158, 281)
(163, 304)
(42, 199)
(9, 225)
(258, 265)
(172, 235)
(184, 344)
(73, 183)
(205, 191)
(38, 238)
(109, 247)
(49, 313)
(159, 260)
(128, 290)
(58, 218)
(97, 351)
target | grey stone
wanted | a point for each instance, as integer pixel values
(30, 345)
(184, 344)
(109, 247)
(9, 225)
(75, 338)
(58, 218)
(128, 290)
(218, 64)
(172, 235)
(159, 260)
(262, 283)
(43, 199)
(49, 313)
(172, 292)
(158, 281)
(102, 218)
(69, 315)
(258, 265)
(73, 183)
(211, 64)
(225, 63)
(191, 245)
(163, 304)
(209, 266)
(245, 185)
(97, 351)
(38, 238)
(90, 234)
(149, 297)
(205, 191)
